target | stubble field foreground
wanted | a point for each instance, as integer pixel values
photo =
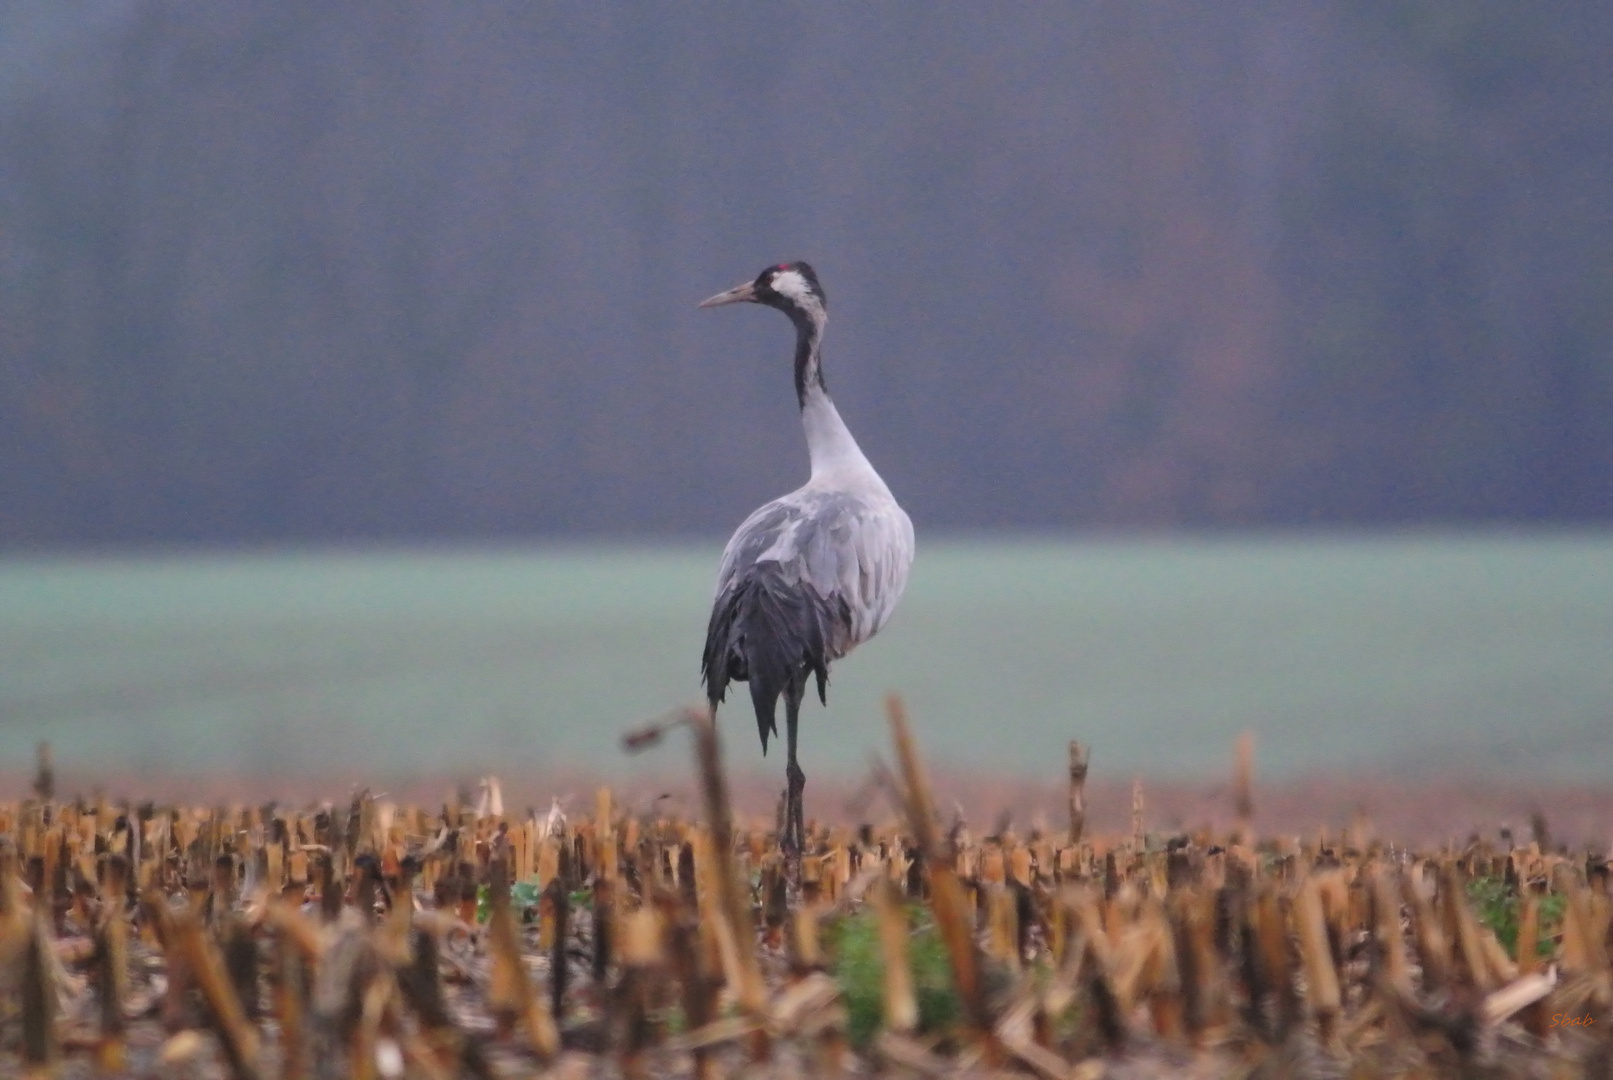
(650, 937)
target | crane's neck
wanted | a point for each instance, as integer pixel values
(833, 451)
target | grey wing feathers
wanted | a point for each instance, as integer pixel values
(804, 580)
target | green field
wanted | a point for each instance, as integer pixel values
(1474, 651)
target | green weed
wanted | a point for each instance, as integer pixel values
(1499, 907)
(856, 962)
(524, 895)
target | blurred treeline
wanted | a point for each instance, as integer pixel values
(307, 270)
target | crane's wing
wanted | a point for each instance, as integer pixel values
(803, 581)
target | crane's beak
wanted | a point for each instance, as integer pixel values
(737, 295)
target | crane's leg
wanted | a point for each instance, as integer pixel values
(794, 839)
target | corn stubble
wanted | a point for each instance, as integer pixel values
(378, 941)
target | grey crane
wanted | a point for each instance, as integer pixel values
(813, 574)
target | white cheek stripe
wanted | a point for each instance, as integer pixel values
(790, 283)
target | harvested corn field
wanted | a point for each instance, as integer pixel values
(378, 940)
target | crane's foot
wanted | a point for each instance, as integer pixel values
(793, 839)
(789, 847)
(786, 810)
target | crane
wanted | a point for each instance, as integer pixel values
(813, 574)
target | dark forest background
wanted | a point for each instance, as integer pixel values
(311, 271)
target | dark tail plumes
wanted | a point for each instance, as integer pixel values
(771, 633)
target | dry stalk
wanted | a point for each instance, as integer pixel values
(946, 895)
(40, 1049)
(901, 1007)
(184, 937)
(512, 992)
(1321, 978)
(731, 923)
(1243, 802)
(1080, 755)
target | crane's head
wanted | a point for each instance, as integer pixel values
(791, 287)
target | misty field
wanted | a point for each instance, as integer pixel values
(1471, 651)
(1453, 651)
